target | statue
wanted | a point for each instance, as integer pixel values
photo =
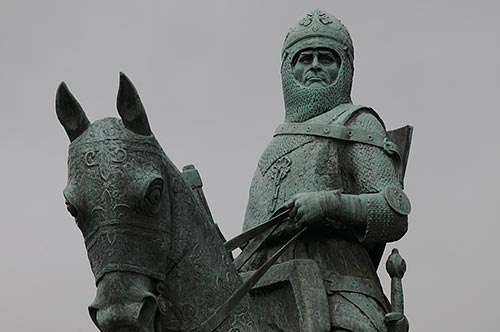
(159, 264)
(337, 170)
(329, 186)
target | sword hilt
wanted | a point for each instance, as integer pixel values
(396, 320)
(396, 267)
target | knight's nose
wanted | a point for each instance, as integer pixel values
(125, 317)
(315, 63)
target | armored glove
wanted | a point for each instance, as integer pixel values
(374, 217)
(311, 207)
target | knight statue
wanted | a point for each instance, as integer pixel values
(338, 172)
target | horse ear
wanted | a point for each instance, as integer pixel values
(70, 113)
(130, 108)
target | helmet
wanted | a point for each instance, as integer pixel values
(316, 30)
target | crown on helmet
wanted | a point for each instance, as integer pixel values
(318, 29)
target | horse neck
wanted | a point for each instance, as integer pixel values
(204, 277)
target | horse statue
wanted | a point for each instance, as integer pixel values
(159, 261)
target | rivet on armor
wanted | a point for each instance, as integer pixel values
(326, 130)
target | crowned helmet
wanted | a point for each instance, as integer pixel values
(316, 29)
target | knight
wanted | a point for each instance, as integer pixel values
(335, 167)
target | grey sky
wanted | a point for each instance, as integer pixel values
(208, 74)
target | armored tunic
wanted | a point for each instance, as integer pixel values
(294, 164)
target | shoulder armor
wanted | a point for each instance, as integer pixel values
(397, 200)
(353, 110)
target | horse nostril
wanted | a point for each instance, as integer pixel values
(127, 316)
(93, 314)
(147, 313)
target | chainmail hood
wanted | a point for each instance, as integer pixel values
(316, 29)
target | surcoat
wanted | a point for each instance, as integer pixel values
(293, 164)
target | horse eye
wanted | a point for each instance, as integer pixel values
(71, 209)
(152, 198)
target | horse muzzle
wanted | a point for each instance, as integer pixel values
(124, 306)
(132, 317)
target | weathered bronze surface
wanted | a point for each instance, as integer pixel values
(326, 197)
(340, 172)
(158, 261)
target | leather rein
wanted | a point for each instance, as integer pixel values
(259, 234)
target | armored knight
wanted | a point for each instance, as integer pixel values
(333, 164)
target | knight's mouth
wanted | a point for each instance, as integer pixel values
(315, 81)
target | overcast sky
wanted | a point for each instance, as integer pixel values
(209, 75)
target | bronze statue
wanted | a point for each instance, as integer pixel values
(326, 197)
(335, 166)
(158, 262)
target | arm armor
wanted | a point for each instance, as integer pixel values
(373, 218)
(373, 203)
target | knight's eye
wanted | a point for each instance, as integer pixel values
(326, 59)
(152, 197)
(306, 58)
(71, 209)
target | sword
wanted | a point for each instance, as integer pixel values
(396, 267)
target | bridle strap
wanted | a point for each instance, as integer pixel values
(145, 253)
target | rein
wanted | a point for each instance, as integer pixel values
(262, 232)
(238, 241)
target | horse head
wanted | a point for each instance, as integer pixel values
(119, 193)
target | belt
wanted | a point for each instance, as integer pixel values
(339, 283)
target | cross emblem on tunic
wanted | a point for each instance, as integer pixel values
(279, 171)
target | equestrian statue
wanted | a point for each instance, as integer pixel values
(326, 197)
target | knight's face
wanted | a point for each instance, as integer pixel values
(316, 67)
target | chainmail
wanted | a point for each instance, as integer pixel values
(373, 172)
(316, 29)
(284, 144)
(370, 166)
(382, 223)
(355, 168)
(303, 103)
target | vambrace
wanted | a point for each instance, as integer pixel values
(375, 217)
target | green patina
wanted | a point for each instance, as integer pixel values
(330, 182)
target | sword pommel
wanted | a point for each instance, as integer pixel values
(396, 265)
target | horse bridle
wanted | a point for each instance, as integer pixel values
(103, 239)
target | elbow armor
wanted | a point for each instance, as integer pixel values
(385, 216)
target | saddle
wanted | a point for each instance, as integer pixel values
(291, 297)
